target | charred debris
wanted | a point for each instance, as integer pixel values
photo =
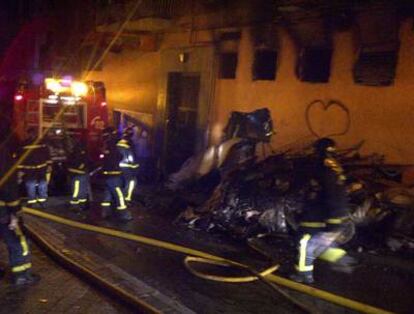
(227, 189)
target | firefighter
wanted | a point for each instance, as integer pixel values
(325, 217)
(35, 162)
(128, 163)
(78, 170)
(113, 195)
(10, 230)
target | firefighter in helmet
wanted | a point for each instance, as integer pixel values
(128, 163)
(10, 230)
(113, 195)
(78, 169)
(326, 216)
(35, 160)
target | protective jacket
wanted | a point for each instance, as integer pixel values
(111, 160)
(327, 203)
(129, 160)
(78, 162)
(36, 157)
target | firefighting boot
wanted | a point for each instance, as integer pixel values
(123, 215)
(302, 277)
(25, 278)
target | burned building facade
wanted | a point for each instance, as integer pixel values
(184, 66)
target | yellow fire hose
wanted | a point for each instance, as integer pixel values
(200, 256)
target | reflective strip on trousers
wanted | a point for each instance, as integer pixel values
(22, 239)
(131, 187)
(120, 198)
(76, 189)
(18, 269)
(303, 244)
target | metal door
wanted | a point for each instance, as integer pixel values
(182, 118)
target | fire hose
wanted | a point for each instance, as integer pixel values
(197, 256)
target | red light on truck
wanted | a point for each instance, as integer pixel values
(103, 104)
(18, 97)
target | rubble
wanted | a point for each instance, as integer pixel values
(254, 197)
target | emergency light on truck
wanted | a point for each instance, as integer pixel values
(74, 88)
(67, 91)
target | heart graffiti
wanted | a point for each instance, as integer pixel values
(332, 104)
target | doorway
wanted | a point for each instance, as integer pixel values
(183, 91)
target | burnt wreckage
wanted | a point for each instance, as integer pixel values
(227, 189)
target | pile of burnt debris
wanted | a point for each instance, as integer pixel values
(228, 189)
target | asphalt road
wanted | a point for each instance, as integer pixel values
(375, 282)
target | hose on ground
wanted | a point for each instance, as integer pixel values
(270, 277)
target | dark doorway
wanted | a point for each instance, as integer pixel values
(182, 116)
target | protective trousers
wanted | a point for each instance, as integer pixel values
(113, 196)
(36, 187)
(129, 179)
(319, 245)
(79, 186)
(18, 248)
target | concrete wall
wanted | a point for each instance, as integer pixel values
(131, 80)
(382, 116)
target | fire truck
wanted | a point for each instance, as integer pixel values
(62, 109)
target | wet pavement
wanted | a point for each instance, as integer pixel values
(58, 292)
(165, 271)
(375, 282)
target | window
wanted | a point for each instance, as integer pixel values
(228, 65)
(314, 64)
(264, 65)
(376, 68)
